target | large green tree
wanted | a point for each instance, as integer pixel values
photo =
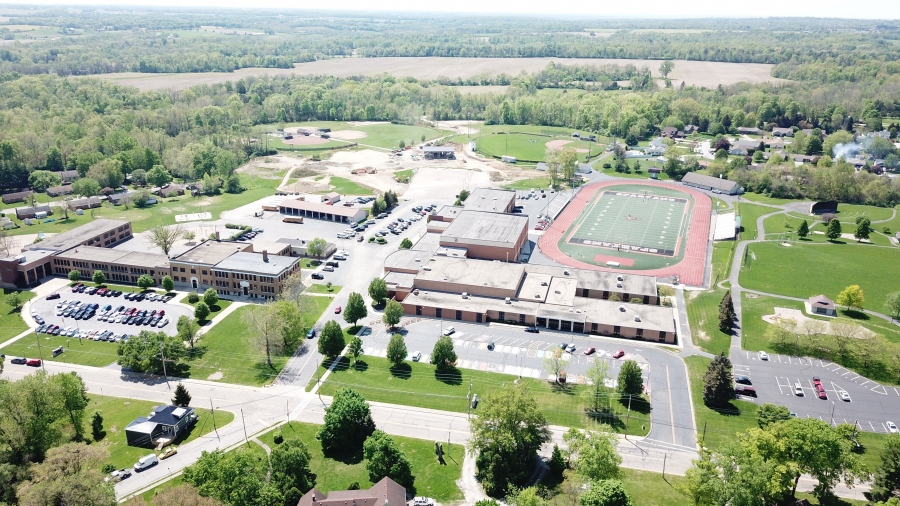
(384, 458)
(592, 453)
(234, 478)
(606, 493)
(396, 350)
(718, 382)
(443, 356)
(833, 231)
(348, 422)
(290, 467)
(378, 291)
(70, 475)
(630, 380)
(355, 309)
(331, 339)
(507, 431)
(887, 476)
(393, 312)
(144, 352)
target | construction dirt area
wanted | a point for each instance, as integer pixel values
(378, 170)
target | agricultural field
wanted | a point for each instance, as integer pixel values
(697, 73)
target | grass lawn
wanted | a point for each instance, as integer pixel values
(527, 184)
(645, 164)
(11, 322)
(528, 146)
(382, 135)
(118, 413)
(703, 315)
(762, 199)
(84, 352)
(322, 288)
(792, 270)
(721, 260)
(346, 187)
(309, 263)
(720, 425)
(214, 310)
(644, 488)
(749, 213)
(337, 472)
(162, 213)
(404, 175)
(229, 349)
(416, 384)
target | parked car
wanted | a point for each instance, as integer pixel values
(18, 360)
(533, 330)
(763, 355)
(171, 451)
(892, 427)
(570, 348)
(590, 351)
(618, 354)
(449, 331)
(53, 296)
(146, 462)
(337, 310)
(317, 275)
(744, 380)
(844, 395)
(798, 389)
(33, 362)
(746, 391)
(417, 356)
(311, 334)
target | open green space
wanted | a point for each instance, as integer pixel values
(76, 351)
(530, 147)
(162, 213)
(277, 142)
(644, 488)
(749, 214)
(214, 310)
(719, 426)
(404, 174)
(703, 315)
(118, 412)
(345, 186)
(228, 348)
(721, 260)
(764, 199)
(11, 322)
(417, 384)
(527, 184)
(645, 164)
(323, 288)
(309, 263)
(337, 472)
(775, 229)
(804, 270)
(381, 135)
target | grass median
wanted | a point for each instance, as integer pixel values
(418, 385)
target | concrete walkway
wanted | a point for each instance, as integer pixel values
(221, 316)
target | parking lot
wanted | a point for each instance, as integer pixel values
(47, 310)
(870, 405)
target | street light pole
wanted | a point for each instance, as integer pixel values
(832, 412)
(40, 351)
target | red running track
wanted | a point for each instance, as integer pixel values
(689, 270)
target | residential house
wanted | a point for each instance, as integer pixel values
(386, 492)
(68, 175)
(119, 198)
(749, 131)
(743, 147)
(782, 132)
(171, 190)
(672, 133)
(12, 198)
(810, 159)
(56, 191)
(689, 129)
(41, 211)
(163, 425)
(85, 203)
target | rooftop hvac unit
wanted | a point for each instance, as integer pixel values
(508, 301)
(20, 259)
(618, 285)
(620, 278)
(566, 273)
(537, 296)
(465, 295)
(637, 318)
(415, 292)
(543, 283)
(557, 291)
(622, 308)
(426, 268)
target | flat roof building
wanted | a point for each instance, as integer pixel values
(488, 235)
(320, 211)
(711, 183)
(490, 199)
(117, 265)
(100, 232)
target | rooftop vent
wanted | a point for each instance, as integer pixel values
(543, 283)
(537, 296)
(618, 285)
(557, 291)
(566, 273)
(465, 295)
(637, 318)
(508, 301)
(622, 308)
(620, 278)
(426, 268)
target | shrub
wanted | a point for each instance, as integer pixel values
(193, 298)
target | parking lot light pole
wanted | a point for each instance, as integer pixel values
(832, 412)
(40, 351)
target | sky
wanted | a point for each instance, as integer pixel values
(860, 9)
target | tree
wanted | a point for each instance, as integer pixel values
(233, 184)
(726, 313)
(552, 161)
(72, 392)
(158, 176)
(553, 364)
(265, 326)
(814, 145)
(443, 355)
(188, 235)
(718, 384)
(356, 309)
(139, 177)
(182, 397)
(506, 434)
(568, 161)
(530, 496)
(164, 236)
(201, 311)
(98, 278)
(14, 299)
(331, 339)
(107, 172)
(838, 137)
(378, 206)
(97, 426)
(887, 476)
(768, 414)
(402, 144)
(378, 291)
(69, 475)
(592, 453)
(290, 467)
(234, 478)
(193, 298)
(597, 394)
(606, 493)
(892, 304)
(168, 283)
(833, 231)
(630, 381)
(316, 247)
(145, 281)
(665, 67)
(74, 275)
(181, 495)
(863, 227)
(803, 230)
(393, 312)
(384, 458)
(355, 348)
(210, 297)
(188, 328)
(852, 297)
(40, 180)
(86, 187)
(144, 352)
(405, 243)
(141, 198)
(290, 327)
(348, 422)
(396, 350)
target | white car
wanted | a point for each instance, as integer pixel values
(844, 395)
(798, 390)
(423, 501)
(449, 331)
(892, 427)
(417, 356)
(763, 355)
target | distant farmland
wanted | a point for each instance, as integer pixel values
(699, 73)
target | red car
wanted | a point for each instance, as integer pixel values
(619, 354)
(34, 362)
(337, 310)
(76, 286)
(590, 351)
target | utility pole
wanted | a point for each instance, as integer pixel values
(628, 416)
(244, 423)
(703, 440)
(469, 399)
(163, 355)
(213, 410)
(40, 351)
(664, 464)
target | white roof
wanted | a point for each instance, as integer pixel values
(725, 227)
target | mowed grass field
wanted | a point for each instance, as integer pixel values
(380, 135)
(529, 147)
(804, 270)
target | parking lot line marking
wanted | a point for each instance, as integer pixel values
(846, 373)
(854, 378)
(883, 390)
(896, 391)
(867, 381)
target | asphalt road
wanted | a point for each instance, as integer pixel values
(871, 404)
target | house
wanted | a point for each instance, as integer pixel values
(672, 133)
(822, 305)
(884, 134)
(857, 163)
(743, 147)
(56, 191)
(171, 190)
(773, 143)
(656, 150)
(782, 132)
(41, 211)
(12, 198)
(68, 175)
(163, 425)
(689, 129)
(749, 131)
(384, 493)
(119, 198)
(810, 159)
(85, 203)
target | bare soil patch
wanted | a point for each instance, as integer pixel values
(559, 143)
(349, 135)
(305, 140)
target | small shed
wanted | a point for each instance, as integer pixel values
(654, 172)
(822, 305)
(333, 197)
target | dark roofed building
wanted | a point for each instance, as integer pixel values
(171, 190)
(435, 152)
(32, 212)
(12, 198)
(386, 492)
(822, 305)
(671, 132)
(165, 423)
(782, 132)
(85, 203)
(711, 183)
(55, 191)
(749, 130)
(68, 175)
